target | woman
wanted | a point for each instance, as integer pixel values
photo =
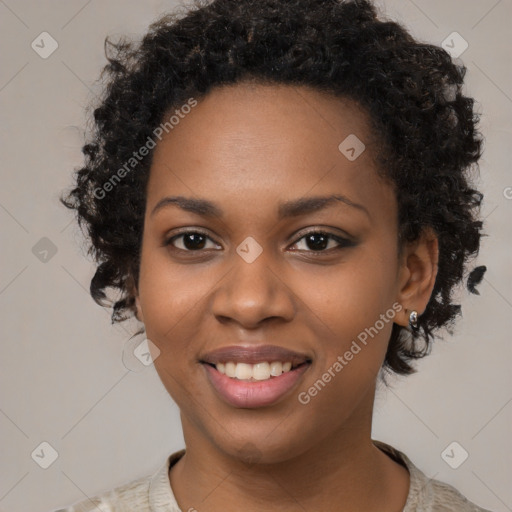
(279, 189)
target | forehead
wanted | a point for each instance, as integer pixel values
(267, 143)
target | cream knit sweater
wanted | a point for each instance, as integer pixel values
(154, 494)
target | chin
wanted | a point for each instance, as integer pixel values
(263, 447)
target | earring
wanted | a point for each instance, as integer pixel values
(413, 319)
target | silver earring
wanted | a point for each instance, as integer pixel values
(413, 319)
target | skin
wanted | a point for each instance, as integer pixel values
(248, 148)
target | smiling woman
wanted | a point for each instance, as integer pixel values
(298, 234)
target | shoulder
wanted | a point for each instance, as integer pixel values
(438, 496)
(145, 494)
(427, 494)
(131, 496)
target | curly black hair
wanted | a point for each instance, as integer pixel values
(411, 91)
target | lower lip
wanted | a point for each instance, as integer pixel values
(253, 394)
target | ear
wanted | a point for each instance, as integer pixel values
(132, 290)
(417, 274)
(138, 314)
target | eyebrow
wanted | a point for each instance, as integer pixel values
(287, 209)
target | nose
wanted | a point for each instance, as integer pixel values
(252, 293)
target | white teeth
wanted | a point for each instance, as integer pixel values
(230, 369)
(258, 371)
(261, 371)
(276, 368)
(243, 371)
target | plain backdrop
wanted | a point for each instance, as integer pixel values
(63, 377)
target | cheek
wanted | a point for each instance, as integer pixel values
(171, 299)
(351, 296)
(354, 304)
(171, 304)
(167, 291)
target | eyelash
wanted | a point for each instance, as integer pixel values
(343, 242)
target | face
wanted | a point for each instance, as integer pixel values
(269, 262)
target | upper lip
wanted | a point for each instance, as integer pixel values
(253, 355)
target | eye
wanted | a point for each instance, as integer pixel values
(314, 241)
(321, 241)
(190, 241)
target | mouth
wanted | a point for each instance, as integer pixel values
(251, 377)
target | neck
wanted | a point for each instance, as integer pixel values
(344, 471)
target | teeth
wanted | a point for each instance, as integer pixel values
(243, 371)
(258, 371)
(276, 368)
(261, 371)
(230, 369)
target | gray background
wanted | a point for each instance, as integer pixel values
(62, 377)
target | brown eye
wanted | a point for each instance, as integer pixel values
(190, 241)
(321, 241)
